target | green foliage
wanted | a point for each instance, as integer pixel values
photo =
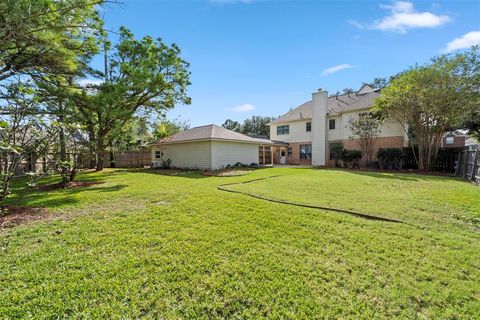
(133, 134)
(146, 245)
(472, 123)
(351, 158)
(254, 126)
(45, 37)
(377, 83)
(390, 158)
(257, 126)
(366, 129)
(429, 100)
(144, 77)
(166, 164)
(336, 150)
(232, 125)
(23, 132)
(166, 128)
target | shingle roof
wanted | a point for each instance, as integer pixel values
(335, 105)
(211, 132)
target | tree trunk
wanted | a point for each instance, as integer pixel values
(112, 156)
(93, 155)
(100, 152)
(63, 151)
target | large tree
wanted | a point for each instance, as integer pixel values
(166, 128)
(142, 77)
(42, 37)
(431, 99)
(24, 135)
(232, 125)
(257, 126)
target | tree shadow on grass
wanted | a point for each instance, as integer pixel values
(177, 173)
(59, 197)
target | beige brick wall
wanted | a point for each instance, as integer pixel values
(382, 142)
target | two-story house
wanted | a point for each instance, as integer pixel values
(311, 129)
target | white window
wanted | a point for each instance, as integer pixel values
(158, 154)
(449, 140)
(281, 130)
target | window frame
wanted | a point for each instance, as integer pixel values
(289, 152)
(305, 155)
(158, 154)
(283, 130)
(308, 126)
(330, 121)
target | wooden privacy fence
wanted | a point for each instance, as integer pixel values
(468, 163)
(131, 159)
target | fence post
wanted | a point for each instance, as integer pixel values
(459, 165)
(475, 163)
(465, 164)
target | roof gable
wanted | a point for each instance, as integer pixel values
(362, 99)
(210, 132)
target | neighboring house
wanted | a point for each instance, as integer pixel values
(210, 147)
(313, 127)
(457, 139)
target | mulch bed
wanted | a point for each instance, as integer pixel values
(227, 173)
(12, 216)
(70, 185)
(408, 171)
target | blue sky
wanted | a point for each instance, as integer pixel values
(264, 57)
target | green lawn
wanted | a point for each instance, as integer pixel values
(146, 245)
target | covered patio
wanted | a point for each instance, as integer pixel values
(271, 154)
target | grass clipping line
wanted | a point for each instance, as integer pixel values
(222, 187)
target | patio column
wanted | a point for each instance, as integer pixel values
(263, 158)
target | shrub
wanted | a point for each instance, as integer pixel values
(389, 158)
(166, 164)
(351, 158)
(336, 152)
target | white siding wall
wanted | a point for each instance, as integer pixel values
(390, 128)
(207, 154)
(193, 155)
(229, 153)
(337, 133)
(297, 133)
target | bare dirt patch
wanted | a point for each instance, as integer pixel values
(70, 185)
(227, 173)
(12, 216)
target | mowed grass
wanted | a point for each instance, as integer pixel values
(145, 245)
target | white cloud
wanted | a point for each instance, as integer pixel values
(466, 41)
(244, 108)
(403, 17)
(337, 68)
(356, 24)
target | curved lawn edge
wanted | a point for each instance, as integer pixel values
(222, 187)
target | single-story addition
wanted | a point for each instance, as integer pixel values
(211, 147)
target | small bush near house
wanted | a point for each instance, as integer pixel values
(351, 158)
(390, 158)
(336, 152)
(166, 164)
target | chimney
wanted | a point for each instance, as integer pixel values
(319, 132)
